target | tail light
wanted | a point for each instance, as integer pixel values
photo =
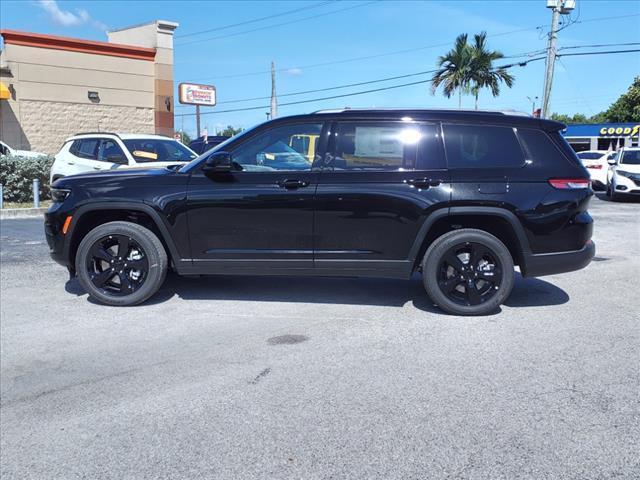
(569, 183)
(595, 167)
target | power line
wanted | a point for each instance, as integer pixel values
(600, 45)
(392, 87)
(278, 24)
(255, 20)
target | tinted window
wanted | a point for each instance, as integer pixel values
(109, 148)
(86, 148)
(589, 155)
(430, 152)
(479, 146)
(376, 146)
(158, 150)
(540, 149)
(289, 147)
(630, 157)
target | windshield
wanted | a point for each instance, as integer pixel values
(158, 150)
(630, 157)
(590, 155)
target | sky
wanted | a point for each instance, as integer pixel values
(319, 44)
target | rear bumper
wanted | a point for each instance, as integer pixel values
(538, 265)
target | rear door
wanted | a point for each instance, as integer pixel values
(84, 155)
(379, 183)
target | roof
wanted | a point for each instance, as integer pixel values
(54, 42)
(122, 136)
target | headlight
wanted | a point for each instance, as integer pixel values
(624, 173)
(59, 194)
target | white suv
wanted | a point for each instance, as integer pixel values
(623, 177)
(104, 151)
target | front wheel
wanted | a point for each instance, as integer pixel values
(121, 263)
(468, 272)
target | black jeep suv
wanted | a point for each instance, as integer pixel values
(460, 196)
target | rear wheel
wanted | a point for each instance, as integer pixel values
(468, 272)
(121, 263)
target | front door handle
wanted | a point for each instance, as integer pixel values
(423, 182)
(292, 184)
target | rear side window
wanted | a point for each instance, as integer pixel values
(85, 148)
(372, 146)
(539, 148)
(480, 146)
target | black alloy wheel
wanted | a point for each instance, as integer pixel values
(117, 265)
(121, 263)
(469, 274)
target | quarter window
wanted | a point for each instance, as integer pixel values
(376, 146)
(85, 148)
(480, 146)
(539, 147)
(289, 147)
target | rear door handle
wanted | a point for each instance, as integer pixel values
(424, 182)
(292, 184)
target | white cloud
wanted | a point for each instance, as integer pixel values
(293, 71)
(66, 18)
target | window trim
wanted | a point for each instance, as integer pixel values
(525, 161)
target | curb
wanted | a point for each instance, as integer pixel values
(21, 213)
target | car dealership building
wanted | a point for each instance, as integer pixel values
(602, 136)
(52, 87)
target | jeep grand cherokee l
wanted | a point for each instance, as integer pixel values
(461, 197)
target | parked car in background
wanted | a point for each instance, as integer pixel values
(623, 177)
(202, 144)
(382, 196)
(6, 150)
(105, 151)
(595, 161)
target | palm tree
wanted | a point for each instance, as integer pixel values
(482, 74)
(453, 72)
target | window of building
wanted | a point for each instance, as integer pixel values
(479, 146)
(289, 147)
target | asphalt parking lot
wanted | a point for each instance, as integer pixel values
(246, 377)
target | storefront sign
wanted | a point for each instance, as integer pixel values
(626, 131)
(194, 94)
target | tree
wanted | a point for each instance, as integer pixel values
(482, 73)
(627, 107)
(453, 70)
(576, 118)
(230, 131)
(185, 138)
(469, 68)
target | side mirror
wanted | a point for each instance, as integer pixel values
(117, 158)
(611, 161)
(218, 162)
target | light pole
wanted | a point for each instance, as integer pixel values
(533, 104)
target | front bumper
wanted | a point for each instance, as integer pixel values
(538, 265)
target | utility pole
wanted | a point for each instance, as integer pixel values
(198, 121)
(557, 7)
(274, 99)
(533, 104)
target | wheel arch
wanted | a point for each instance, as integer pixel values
(499, 222)
(90, 216)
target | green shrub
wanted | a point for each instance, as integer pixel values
(17, 175)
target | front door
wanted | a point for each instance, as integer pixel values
(382, 181)
(261, 214)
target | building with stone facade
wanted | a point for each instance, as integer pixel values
(54, 87)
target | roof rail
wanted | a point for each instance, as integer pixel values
(96, 133)
(464, 110)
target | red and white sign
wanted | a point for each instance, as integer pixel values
(195, 94)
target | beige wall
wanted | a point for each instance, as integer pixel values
(50, 90)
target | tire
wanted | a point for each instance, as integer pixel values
(488, 280)
(108, 274)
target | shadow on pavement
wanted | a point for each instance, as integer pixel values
(527, 292)
(623, 199)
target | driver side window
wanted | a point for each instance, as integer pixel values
(289, 147)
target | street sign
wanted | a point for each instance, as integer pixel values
(196, 94)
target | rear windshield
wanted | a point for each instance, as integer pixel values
(631, 157)
(589, 155)
(158, 150)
